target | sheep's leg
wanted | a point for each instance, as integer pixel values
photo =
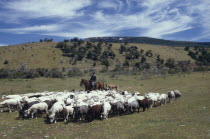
(20, 106)
(81, 118)
(55, 119)
(66, 117)
(9, 108)
(32, 115)
(144, 107)
(46, 110)
(2, 108)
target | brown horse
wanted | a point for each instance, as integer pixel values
(112, 86)
(89, 87)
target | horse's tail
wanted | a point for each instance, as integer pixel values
(117, 87)
(103, 86)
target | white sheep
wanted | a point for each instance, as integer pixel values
(163, 99)
(177, 94)
(106, 107)
(171, 96)
(56, 109)
(153, 97)
(11, 102)
(68, 110)
(34, 108)
(10, 96)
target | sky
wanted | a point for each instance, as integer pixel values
(24, 21)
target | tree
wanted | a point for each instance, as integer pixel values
(109, 46)
(159, 62)
(143, 59)
(61, 45)
(204, 51)
(106, 63)
(141, 51)
(105, 54)
(48, 40)
(89, 45)
(149, 53)
(6, 62)
(186, 48)
(132, 53)
(170, 63)
(66, 40)
(146, 66)
(126, 64)
(112, 54)
(75, 39)
(122, 49)
(192, 55)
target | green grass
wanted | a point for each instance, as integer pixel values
(184, 118)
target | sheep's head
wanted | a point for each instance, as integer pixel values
(3, 96)
(26, 113)
(52, 118)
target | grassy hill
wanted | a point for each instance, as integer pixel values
(147, 40)
(46, 55)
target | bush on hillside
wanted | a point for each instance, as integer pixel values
(170, 63)
(186, 48)
(54, 73)
(74, 72)
(6, 62)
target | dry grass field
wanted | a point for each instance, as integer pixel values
(188, 117)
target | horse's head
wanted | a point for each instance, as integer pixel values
(82, 82)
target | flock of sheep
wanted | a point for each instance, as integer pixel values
(82, 105)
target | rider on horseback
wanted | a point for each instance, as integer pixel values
(93, 80)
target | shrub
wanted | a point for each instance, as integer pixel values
(149, 53)
(3, 73)
(74, 72)
(6, 62)
(186, 48)
(54, 73)
(170, 63)
(61, 45)
(31, 74)
(106, 63)
(192, 55)
(122, 49)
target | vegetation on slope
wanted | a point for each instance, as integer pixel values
(73, 57)
(147, 40)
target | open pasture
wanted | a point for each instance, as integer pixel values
(187, 117)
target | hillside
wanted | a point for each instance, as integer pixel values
(147, 40)
(46, 55)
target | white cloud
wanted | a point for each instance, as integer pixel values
(155, 23)
(157, 18)
(107, 4)
(38, 28)
(33, 9)
(201, 8)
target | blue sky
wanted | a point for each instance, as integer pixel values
(30, 20)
